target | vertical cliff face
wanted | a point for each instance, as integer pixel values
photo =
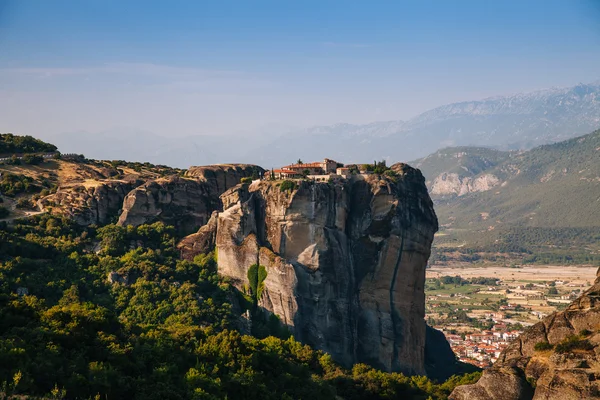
(345, 262)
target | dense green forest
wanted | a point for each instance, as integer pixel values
(112, 312)
(14, 144)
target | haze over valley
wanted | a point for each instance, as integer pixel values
(521, 121)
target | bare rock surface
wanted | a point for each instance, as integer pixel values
(88, 204)
(186, 202)
(221, 177)
(345, 262)
(453, 184)
(201, 242)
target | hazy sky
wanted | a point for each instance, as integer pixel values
(221, 67)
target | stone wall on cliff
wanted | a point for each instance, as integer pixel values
(345, 262)
(566, 368)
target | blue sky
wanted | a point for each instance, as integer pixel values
(224, 67)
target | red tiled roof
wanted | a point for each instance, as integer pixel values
(285, 171)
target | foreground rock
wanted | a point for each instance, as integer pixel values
(564, 365)
(345, 262)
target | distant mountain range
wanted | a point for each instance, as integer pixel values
(545, 200)
(520, 121)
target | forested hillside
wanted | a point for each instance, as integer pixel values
(112, 312)
(543, 204)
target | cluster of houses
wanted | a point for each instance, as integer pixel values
(482, 349)
(318, 171)
(530, 302)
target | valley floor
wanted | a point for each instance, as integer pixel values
(481, 316)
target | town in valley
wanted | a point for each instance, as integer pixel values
(481, 309)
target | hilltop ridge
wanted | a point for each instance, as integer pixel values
(513, 122)
(535, 202)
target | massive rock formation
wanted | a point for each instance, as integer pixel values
(185, 202)
(96, 203)
(222, 177)
(97, 193)
(345, 262)
(564, 365)
(440, 360)
(201, 242)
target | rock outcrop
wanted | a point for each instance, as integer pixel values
(558, 358)
(201, 242)
(453, 184)
(99, 203)
(345, 262)
(222, 177)
(185, 202)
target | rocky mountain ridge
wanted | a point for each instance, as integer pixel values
(90, 194)
(520, 121)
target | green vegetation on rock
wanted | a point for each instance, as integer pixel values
(573, 342)
(256, 276)
(16, 144)
(287, 185)
(542, 346)
(113, 312)
(13, 184)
